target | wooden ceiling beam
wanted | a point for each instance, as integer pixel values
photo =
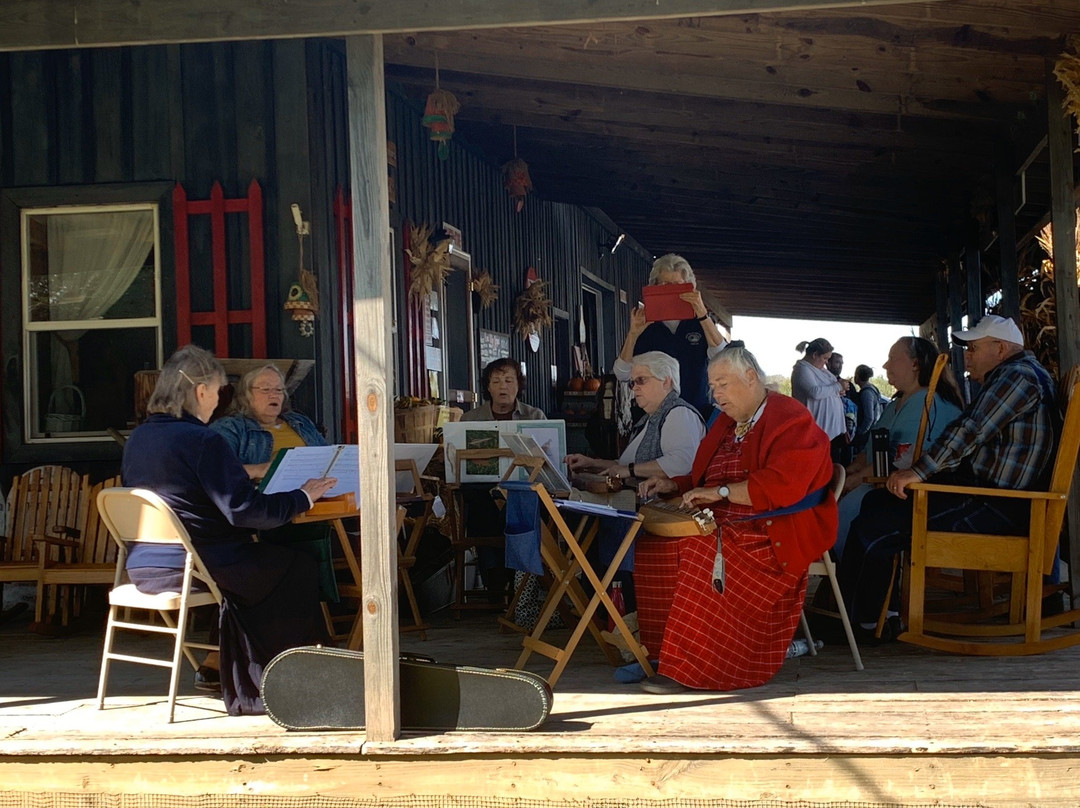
(38, 24)
(758, 60)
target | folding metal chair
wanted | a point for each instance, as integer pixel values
(138, 515)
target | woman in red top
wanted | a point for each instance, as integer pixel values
(763, 453)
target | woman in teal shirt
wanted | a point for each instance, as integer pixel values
(911, 361)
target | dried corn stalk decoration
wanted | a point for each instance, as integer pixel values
(430, 263)
(532, 309)
(1038, 309)
(1067, 71)
(485, 287)
(439, 112)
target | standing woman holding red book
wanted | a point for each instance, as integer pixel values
(692, 342)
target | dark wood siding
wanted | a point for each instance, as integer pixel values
(93, 125)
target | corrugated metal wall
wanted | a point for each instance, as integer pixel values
(559, 240)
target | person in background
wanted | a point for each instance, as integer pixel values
(850, 404)
(503, 385)
(870, 406)
(691, 342)
(820, 391)
(271, 592)
(1005, 438)
(911, 361)
(764, 453)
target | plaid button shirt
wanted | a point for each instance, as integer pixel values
(1005, 438)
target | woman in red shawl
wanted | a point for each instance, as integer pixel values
(764, 454)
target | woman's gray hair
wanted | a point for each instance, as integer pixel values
(672, 263)
(241, 402)
(740, 359)
(660, 365)
(184, 371)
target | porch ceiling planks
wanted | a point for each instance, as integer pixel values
(35, 24)
(804, 161)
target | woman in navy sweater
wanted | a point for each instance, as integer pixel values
(271, 592)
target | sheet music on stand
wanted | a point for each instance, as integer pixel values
(549, 476)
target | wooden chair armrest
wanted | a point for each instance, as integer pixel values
(55, 541)
(986, 492)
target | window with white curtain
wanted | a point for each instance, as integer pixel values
(91, 282)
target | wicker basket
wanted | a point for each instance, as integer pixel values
(418, 424)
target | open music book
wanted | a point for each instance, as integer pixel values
(291, 468)
(550, 476)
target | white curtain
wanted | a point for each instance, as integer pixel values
(92, 260)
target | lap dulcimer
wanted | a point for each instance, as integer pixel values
(670, 518)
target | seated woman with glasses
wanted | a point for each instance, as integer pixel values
(271, 600)
(262, 422)
(665, 438)
(260, 425)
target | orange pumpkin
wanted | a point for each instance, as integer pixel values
(576, 384)
(592, 385)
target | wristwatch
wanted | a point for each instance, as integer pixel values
(630, 470)
(724, 491)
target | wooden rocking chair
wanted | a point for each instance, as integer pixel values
(43, 501)
(89, 559)
(1026, 559)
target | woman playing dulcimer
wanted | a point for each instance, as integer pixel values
(763, 454)
(665, 439)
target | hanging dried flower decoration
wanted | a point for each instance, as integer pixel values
(430, 263)
(485, 287)
(532, 309)
(439, 112)
(516, 178)
(1067, 71)
(517, 182)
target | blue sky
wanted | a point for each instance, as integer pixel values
(773, 341)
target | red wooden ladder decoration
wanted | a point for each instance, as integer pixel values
(221, 316)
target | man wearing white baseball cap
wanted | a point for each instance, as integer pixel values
(1004, 439)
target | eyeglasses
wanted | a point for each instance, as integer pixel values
(974, 346)
(270, 391)
(639, 381)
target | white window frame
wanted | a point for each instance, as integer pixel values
(31, 413)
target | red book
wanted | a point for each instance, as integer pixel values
(662, 302)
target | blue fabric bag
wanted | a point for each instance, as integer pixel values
(522, 527)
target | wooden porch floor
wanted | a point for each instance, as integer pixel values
(914, 728)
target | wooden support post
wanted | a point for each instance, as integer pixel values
(1063, 217)
(1006, 238)
(956, 323)
(373, 362)
(973, 275)
(941, 300)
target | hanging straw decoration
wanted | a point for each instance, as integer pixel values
(485, 287)
(516, 178)
(439, 114)
(1038, 300)
(1067, 71)
(430, 263)
(532, 309)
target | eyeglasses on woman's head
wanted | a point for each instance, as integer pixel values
(639, 381)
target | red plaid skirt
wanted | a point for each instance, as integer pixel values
(707, 640)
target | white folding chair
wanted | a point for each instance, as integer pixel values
(138, 515)
(826, 568)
